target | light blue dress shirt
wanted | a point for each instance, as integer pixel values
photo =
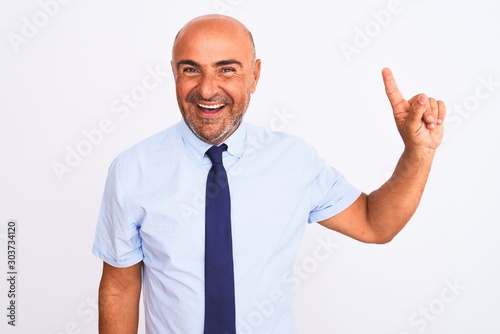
(153, 210)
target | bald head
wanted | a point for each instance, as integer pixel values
(215, 24)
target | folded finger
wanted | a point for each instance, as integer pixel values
(441, 112)
(431, 114)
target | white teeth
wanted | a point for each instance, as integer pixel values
(217, 106)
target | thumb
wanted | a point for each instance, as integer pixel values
(418, 105)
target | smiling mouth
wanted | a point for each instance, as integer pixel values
(211, 109)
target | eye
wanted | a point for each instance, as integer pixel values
(189, 70)
(228, 70)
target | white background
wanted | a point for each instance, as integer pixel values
(60, 79)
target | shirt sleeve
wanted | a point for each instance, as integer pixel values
(117, 239)
(330, 192)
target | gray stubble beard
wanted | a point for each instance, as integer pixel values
(222, 135)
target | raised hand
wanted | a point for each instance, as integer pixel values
(419, 120)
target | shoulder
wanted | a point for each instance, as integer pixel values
(262, 139)
(149, 150)
(276, 156)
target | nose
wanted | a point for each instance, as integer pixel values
(208, 86)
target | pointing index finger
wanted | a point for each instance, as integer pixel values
(391, 88)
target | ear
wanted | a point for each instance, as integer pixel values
(174, 72)
(256, 74)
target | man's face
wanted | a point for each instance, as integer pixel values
(215, 74)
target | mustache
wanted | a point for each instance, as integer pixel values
(219, 98)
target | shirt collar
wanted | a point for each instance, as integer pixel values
(197, 147)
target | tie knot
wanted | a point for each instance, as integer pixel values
(215, 153)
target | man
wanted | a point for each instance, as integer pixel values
(151, 231)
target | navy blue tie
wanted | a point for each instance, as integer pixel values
(219, 274)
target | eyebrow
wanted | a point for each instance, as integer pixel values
(187, 62)
(229, 62)
(217, 64)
